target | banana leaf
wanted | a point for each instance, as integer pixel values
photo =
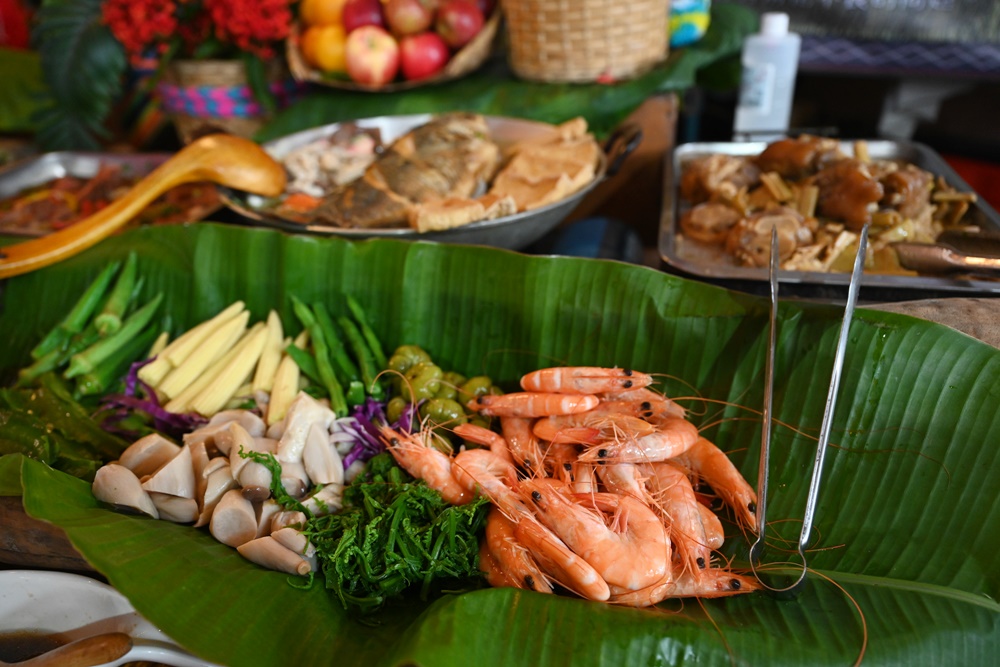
(905, 561)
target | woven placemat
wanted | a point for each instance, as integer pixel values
(979, 318)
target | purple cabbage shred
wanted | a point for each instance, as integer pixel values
(366, 418)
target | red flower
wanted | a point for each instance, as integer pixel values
(141, 25)
(252, 25)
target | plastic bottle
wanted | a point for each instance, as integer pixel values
(770, 61)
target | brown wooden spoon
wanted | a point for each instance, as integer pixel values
(221, 158)
(85, 652)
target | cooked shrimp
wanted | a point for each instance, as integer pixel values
(712, 583)
(710, 463)
(484, 436)
(511, 557)
(557, 429)
(559, 562)
(426, 463)
(714, 534)
(623, 479)
(532, 404)
(480, 471)
(672, 492)
(650, 404)
(522, 442)
(670, 439)
(488, 565)
(584, 478)
(583, 380)
(633, 552)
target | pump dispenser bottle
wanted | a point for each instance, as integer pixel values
(770, 61)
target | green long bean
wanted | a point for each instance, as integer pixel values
(338, 402)
(366, 360)
(374, 344)
(338, 353)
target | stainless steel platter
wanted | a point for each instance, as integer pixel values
(512, 232)
(711, 262)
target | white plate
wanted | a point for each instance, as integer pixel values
(75, 607)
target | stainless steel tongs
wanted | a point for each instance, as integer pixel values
(757, 548)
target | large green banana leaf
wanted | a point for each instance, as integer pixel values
(905, 565)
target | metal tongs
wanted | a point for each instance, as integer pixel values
(757, 548)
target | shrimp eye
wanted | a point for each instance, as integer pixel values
(529, 581)
(646, 406)
(536, 496)
(627, 384)
(701, 562)
(752, 506)
(567, 467)
(735, 583)
(627, 371)
(602, 453)
(479, 399)
(394, 442)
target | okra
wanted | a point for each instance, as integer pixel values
(366, 360)
(374, 344)
(338, 402)
(86, 361)
(338, 353)
(55, 359)
(109, 320)
(99, 380)
(79, 315)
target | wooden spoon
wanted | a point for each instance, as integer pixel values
(221, 158)
(85, 652)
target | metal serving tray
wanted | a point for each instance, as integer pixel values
(34, 171)
(711, 262)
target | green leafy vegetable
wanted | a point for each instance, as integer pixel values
(394, 533)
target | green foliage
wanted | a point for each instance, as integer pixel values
(83, 66)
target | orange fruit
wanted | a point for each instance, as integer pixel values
(323, 47)
(321, 12)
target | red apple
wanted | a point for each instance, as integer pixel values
(486, 7)
(372, 56)
(458, 21)
(422, 55)
(409, 17)
(357, 13)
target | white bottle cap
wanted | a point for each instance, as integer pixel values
(774, 24)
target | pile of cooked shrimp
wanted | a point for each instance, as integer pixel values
(592, 481)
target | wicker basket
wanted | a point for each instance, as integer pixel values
(585, 40)
(205, 96)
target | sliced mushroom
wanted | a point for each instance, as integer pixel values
(294, 540)
(356, 468)
(294, 479)
(199, 462)
(302, 414)
(277, 429)
(176, 477)
(148, 453)
(320, 457)
(175, 508)
(287, 518)
(241, 440)
(268, 552)
(234, 521)
(327, 500)
(118, 486)
(265, 512)
(214, 464)
(251, 421)
(218, 483)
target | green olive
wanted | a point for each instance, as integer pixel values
(480, 420)
(407, 356)
(473, 387)
(450, 382)
(394, 408)
(443, 411)
(422, 380)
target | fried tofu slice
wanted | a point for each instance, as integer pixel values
(441, 214)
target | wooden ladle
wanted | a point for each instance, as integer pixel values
(86, 652)
(221, 158)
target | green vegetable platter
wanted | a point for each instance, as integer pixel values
(905, 564)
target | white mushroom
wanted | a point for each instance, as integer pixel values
(219, 481)
(269, 553)
(241, 441)
(327, 500)
(265, 513)
(234, 521)
(294, 479)
(251, 421)
(277, 429)
(214, 464)
(320, 457)
(294, 540)
(216, 433)
(302, 414)
(175, 508)
(254, 477)
(287, 518)
(199, 462)
(148, 453)
(176, 477)
(353, 470)
(117, 485)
